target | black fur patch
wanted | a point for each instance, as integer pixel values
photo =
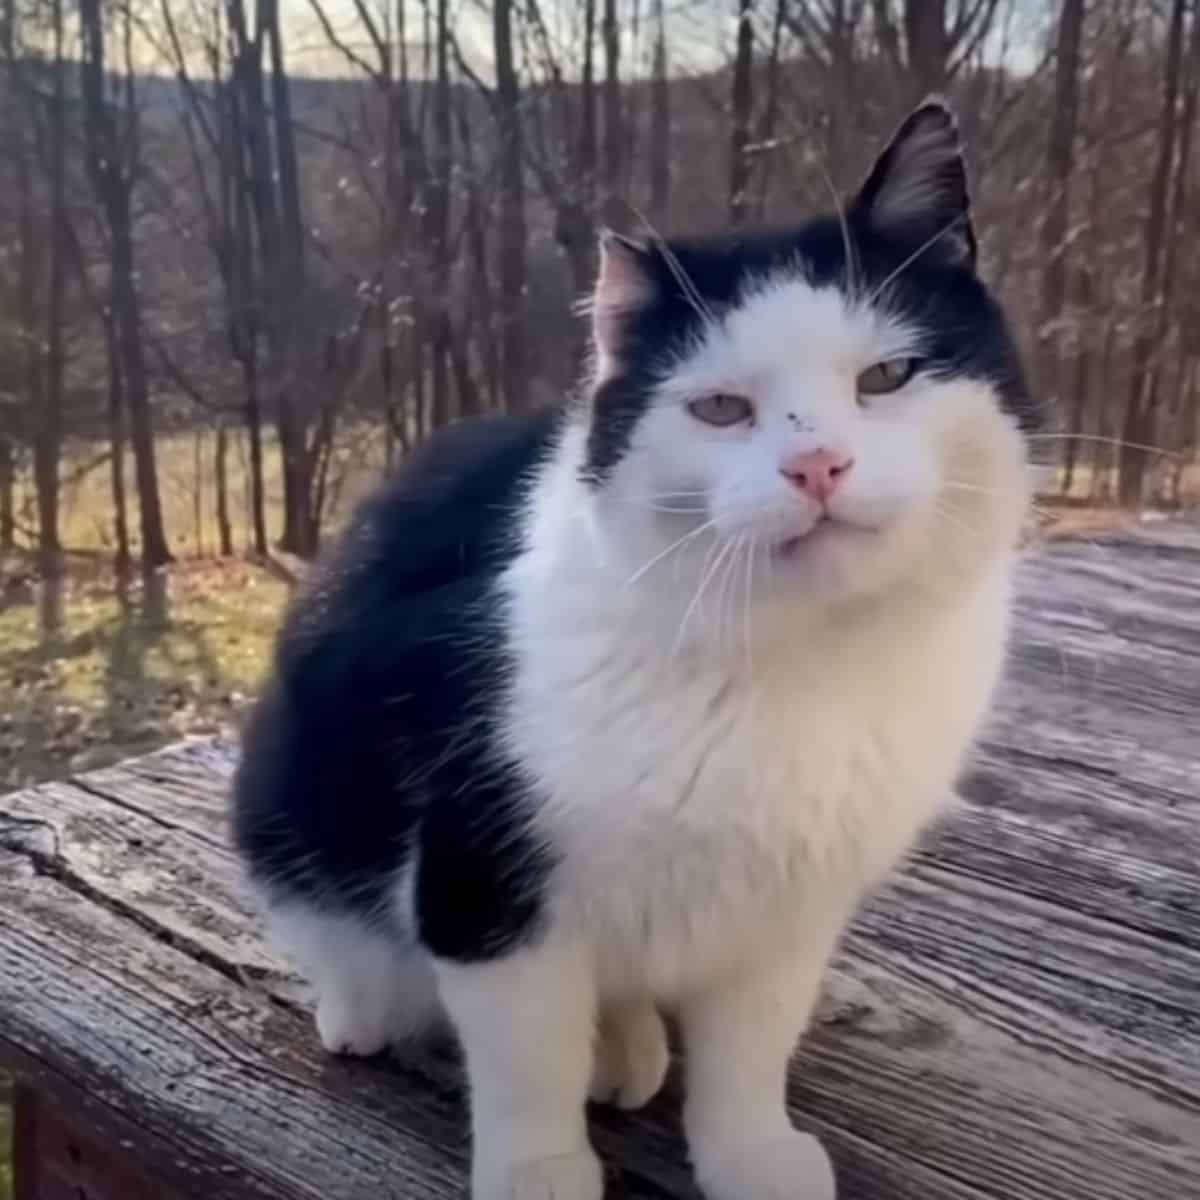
(375, 740)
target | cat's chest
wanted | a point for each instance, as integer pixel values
(802, 756)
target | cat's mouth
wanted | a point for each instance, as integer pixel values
(824, 530)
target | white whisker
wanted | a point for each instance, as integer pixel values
(675, 545)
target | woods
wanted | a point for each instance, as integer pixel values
(305, 235)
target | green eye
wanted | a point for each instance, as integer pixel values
(721, 408)
(885, 377)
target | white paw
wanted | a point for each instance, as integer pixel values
(353, 1028)
(577, 1176)
(795, 1167)
(631, 1057)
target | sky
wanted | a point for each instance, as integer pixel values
(700, 32)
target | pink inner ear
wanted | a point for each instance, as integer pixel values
(621, 286)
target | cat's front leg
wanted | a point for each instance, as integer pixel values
(738, 1039)
(631, 1055)
(526, 1022)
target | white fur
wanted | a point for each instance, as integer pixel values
(630, 1055)
(370, 989)
(726, 777)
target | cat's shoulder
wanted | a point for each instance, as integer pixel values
(462, 484)
(417, 555)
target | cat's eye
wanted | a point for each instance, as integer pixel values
(721, 408)
(884, 377)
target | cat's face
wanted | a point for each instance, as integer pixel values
(804, 425)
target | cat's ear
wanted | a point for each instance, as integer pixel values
(624, 283)
(917, 189)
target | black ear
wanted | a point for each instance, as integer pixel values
(917, 189)
(624, 283)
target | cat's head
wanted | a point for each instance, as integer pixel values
(822, 412)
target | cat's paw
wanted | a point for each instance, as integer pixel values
(577, 1176)
(795, 1167)
(357, 1029)
(631, 1057)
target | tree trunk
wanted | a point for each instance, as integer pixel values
(8, 481)
(928, 43)
(116, 441)
(28, 270)
(613, 131)
(480, 287)
(47, 445)
(258, 515)
(1138, 427)
(588, 141)
(244, 296)
(770, 113)
(739, 163)
(293, 393)
(660, 123)
(221, 471)
(112, 180)
(512, 231)
(438, 221)
(1060, 163)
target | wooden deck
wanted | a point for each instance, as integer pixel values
(1016, 1018)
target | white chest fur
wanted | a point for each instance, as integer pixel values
(710, 805)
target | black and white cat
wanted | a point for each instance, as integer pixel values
(617, 710)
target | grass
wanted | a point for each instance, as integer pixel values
(130, 670)
(126, 671)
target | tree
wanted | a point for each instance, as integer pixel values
(112, 158)
(512, 230)
(47, 417)
(929, 42)
(742, 99)
(1138, 429)
(1060, 166)
(660, 121)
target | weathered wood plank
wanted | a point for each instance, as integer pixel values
(1016, 1017)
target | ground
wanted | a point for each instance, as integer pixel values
(131, 668)
(122, 675)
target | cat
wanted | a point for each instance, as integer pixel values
(618, 710)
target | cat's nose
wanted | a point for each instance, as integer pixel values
(818, 473)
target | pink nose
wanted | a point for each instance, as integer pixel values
(818, 473)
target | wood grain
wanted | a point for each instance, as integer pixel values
(1015, 1017)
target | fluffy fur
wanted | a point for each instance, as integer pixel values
(596, 714)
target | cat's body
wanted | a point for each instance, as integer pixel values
(624, 708)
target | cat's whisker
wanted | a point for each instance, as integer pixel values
(1105, 441)
(725, 593)
(694, 511)
(847, 241)
(706, 577)
(751, 549)
(679, 543)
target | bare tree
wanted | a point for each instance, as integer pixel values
(614, 131)
(1060, 167)
(660, 121)
(742, 100)
(112, 165)
(1138, 428)
(512, 229)
(930, 41)
(47, 419)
